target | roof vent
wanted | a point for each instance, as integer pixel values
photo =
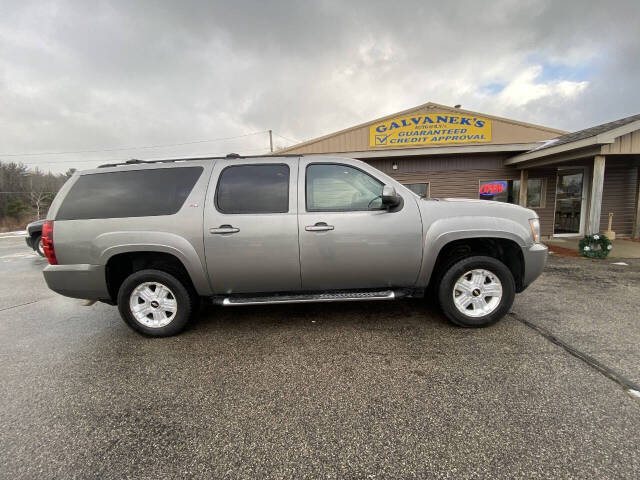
(233, 155)
(457, 106)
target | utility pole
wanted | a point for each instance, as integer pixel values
(271, 140)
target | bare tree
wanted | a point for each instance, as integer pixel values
(39, 200)
(24, 192)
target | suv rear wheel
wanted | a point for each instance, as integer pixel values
(155, 303)
(476, 291)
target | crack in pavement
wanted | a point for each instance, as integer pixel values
(629, 386)
(19, 305)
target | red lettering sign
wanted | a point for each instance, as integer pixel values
(493, 188)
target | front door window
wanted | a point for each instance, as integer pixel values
(569, 202)
(341, 188)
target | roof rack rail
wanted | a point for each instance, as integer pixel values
(230, 156)
(133, 161)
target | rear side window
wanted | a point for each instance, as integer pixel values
(253, 189)
(137, 193)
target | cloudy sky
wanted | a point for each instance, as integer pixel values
(115, 80)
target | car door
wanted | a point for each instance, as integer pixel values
(250, 226)
(347, 239)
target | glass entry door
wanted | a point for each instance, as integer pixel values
(569, 202)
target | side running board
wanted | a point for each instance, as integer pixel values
(308, 298)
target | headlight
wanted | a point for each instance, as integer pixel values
(535, 229)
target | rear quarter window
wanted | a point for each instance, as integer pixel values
(135, 193)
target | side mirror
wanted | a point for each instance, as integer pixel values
(390, 197)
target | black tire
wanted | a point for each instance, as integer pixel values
(180, 292)
(457, 270)
(37, 245)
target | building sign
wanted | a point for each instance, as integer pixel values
(493, 188)
(429, 129)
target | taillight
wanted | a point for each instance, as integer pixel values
(47, 242)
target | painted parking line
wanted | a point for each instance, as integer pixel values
(17, 255)
(13, 234)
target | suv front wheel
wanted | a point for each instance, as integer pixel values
(476, 291)
(155, 303)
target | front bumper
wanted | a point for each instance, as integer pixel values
(535, 258)
(78, 281)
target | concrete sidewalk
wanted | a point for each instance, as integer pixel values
(622, 247)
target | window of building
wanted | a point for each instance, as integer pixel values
(134, 193)
(336, 188)
(509, 191)
(535, 192)
(421, 189)
(253, 189)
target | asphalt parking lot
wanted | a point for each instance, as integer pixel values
(353, 390)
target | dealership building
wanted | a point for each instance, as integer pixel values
(574, 181)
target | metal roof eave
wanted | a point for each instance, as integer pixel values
(600, 139)
(445, 150)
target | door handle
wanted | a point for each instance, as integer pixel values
(222, 229)
(318, 227)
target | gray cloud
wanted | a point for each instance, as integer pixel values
(78, 75)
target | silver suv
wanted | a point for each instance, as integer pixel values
(156, 237)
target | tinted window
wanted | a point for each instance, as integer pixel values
(137, 193)
(341, 188)
(253, 189)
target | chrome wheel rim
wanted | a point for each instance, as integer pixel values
(477, 293)
(153, 304)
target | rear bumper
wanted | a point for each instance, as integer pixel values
(535, 258)
(78, 281)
